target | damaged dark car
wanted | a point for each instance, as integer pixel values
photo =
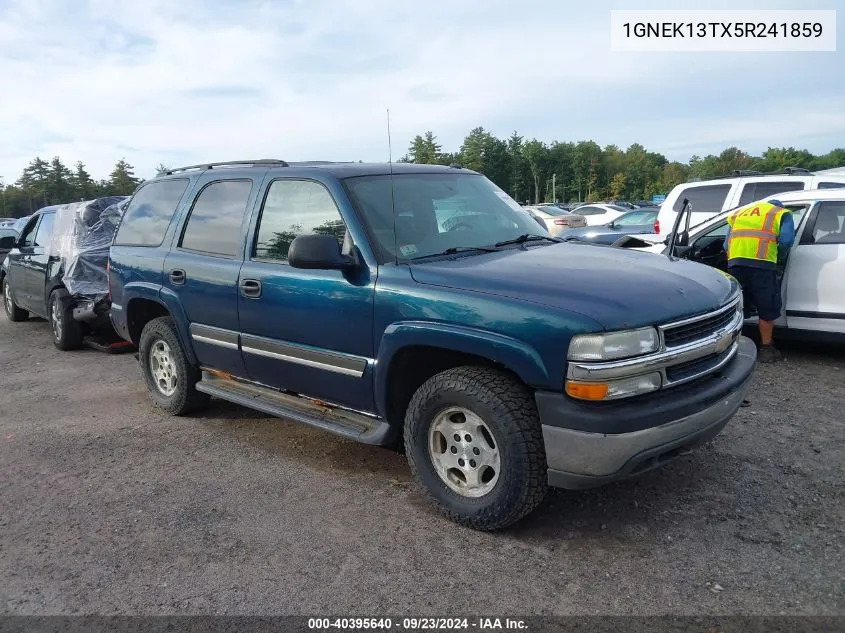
(56, 269)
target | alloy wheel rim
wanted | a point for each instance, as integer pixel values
(163, 368)
(56, 319)
(464, 452)
(7, 297)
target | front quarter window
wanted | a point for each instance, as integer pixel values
(435, 212)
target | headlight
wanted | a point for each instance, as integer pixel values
(613, 345)
(613, 389)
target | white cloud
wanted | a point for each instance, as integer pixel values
(185, 82)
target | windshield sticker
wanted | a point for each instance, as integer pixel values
(408, 250)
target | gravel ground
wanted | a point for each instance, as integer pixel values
(109, 507)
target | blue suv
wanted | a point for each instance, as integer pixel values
(419, 305)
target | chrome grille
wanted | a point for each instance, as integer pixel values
(697, 328)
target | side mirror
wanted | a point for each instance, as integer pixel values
(8, 242)
(683, 239)
(318, 252)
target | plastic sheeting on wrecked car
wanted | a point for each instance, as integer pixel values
(82, 235)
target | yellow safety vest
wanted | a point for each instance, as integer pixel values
(754, 232)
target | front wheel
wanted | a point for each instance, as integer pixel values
(170, 377)
(67, 332)
(13, 312)
(474, 441)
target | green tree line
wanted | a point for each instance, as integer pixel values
(534, 171)
(43, 183)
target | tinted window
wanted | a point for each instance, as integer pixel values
(214, 225)
(590, 211)
(831, 185)
(704, 199)
(149, 213)
(830, 223)
(759, 190)
(45, 229)
(293, 208)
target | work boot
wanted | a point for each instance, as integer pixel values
(769, 354)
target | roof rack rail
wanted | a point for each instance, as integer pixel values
(261, 161)
(736, 173)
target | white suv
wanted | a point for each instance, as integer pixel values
(710, 197)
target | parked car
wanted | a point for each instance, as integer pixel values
(556, 219)
(812, 271)
(711, 197)
(8, 238)
(57, 269)
(329, 295)
(645, 204)
(631, 223)
(597, 213)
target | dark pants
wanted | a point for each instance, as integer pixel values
(760, 289)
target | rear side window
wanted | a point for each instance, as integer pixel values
(149, 213)
(759, 190)
(704, 199)
(45, 230)
(829, 227)
(831, 185)
(214, 225)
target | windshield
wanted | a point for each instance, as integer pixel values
(436, 212)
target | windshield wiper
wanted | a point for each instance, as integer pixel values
(459, 249)
(527, 237)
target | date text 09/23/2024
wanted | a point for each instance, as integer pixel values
(416, 624)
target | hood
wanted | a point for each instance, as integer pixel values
(618, 288)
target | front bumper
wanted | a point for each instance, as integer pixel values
(588, 445)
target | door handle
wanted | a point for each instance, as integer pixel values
(177, 276)
(251, 288)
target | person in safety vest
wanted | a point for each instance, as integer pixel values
(758, 234)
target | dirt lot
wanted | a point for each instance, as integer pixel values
(109, 507)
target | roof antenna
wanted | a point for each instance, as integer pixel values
(392, 193)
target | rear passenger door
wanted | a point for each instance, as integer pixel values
(202, 269)
(815, 274)
(307, 331)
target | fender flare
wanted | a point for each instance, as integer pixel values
(168, 300)
(515, 355)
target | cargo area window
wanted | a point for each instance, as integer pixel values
(149, 213)
(293, 208)
(703, 198)
(214, 225)
(758, 190)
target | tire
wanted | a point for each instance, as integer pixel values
(173, 385)
(65, 330)
(499, 418)
(13, 312)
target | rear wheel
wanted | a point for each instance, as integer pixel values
(67, 332)
(474, 441)
(12, 310)
(170, 377)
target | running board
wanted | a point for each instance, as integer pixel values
(356, 426)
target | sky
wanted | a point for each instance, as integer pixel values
(188, 81)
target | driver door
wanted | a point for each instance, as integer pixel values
(20, 260)
(709, 248)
